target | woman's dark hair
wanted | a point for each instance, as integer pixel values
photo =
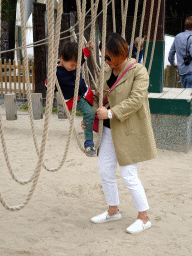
(69, 51)
(188, 23)
(116, 45)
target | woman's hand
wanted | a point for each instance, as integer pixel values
(102, 113)
(82, 125)
(96, 94)
(90, 44)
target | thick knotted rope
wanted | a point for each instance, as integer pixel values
(50, 11)
(0, 28)
(134, 27)
(154, 36)
(100, 89)
(149, 31)
(94, 8)
(141, 29)
(113, 15)
(124, 9)
(52, 79)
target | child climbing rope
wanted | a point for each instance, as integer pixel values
(66, 74)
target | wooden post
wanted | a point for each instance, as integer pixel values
(39, 51)
(37, 106)
(33, 76)
(23, 71)
(19, 78)
(10, 106)
(10, 81)
(14, 79)
(5, 71)
(61, 112)
(1, 78)
(170, 77)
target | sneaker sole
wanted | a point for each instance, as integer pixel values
(90, 155)
(130, 232)
(105, 221)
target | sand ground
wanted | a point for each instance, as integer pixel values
(56, 222)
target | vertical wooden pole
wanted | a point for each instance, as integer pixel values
(10, 106)
(19, 78)
(5, 71)
(33, 76)
(1, 78)
(10, 80)
(39, 51)
(23, 71)
(14, 79)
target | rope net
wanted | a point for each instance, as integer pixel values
(97, 77)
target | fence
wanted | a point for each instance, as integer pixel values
(12, 78)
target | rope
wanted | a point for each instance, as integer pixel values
(22, 182)
(124, 16)
(134, 27)
(0, 28)
(113, 15)
(149, 31)
(96, 68)
(52, 79)
(94, 8)
(81, 18)
(141, 29)
(35, 44)
(104, 4)
(154, 37)
(50, 7)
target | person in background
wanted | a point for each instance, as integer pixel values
(182, 47)
(135, 48)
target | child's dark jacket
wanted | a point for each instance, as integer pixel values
(67, 83)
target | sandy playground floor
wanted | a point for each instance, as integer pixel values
(56, 222)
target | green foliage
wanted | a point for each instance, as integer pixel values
(177, 8)
(54, 110)
(24, 107)
(8, 10)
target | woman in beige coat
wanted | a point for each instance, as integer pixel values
(127, 133)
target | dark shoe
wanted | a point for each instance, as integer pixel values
(90, 151)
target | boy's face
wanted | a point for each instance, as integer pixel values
(68, 65)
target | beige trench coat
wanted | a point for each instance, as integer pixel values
(131, 127)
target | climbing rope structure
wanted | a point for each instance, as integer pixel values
(97, 75)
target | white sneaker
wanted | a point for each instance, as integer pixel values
(138, 226)
(104, 217)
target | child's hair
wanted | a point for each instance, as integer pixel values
(137, 39)
(188, 23)
(116, 45)
(69, 51)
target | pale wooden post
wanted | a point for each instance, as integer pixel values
(14, 79)
(23, 69)
(1, 78)
(5, 71)
(10, 107)
(33, 76)
(19, 78)
(61, 112)
(37, 105)
(10, 80)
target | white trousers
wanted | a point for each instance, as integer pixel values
(107, 161)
